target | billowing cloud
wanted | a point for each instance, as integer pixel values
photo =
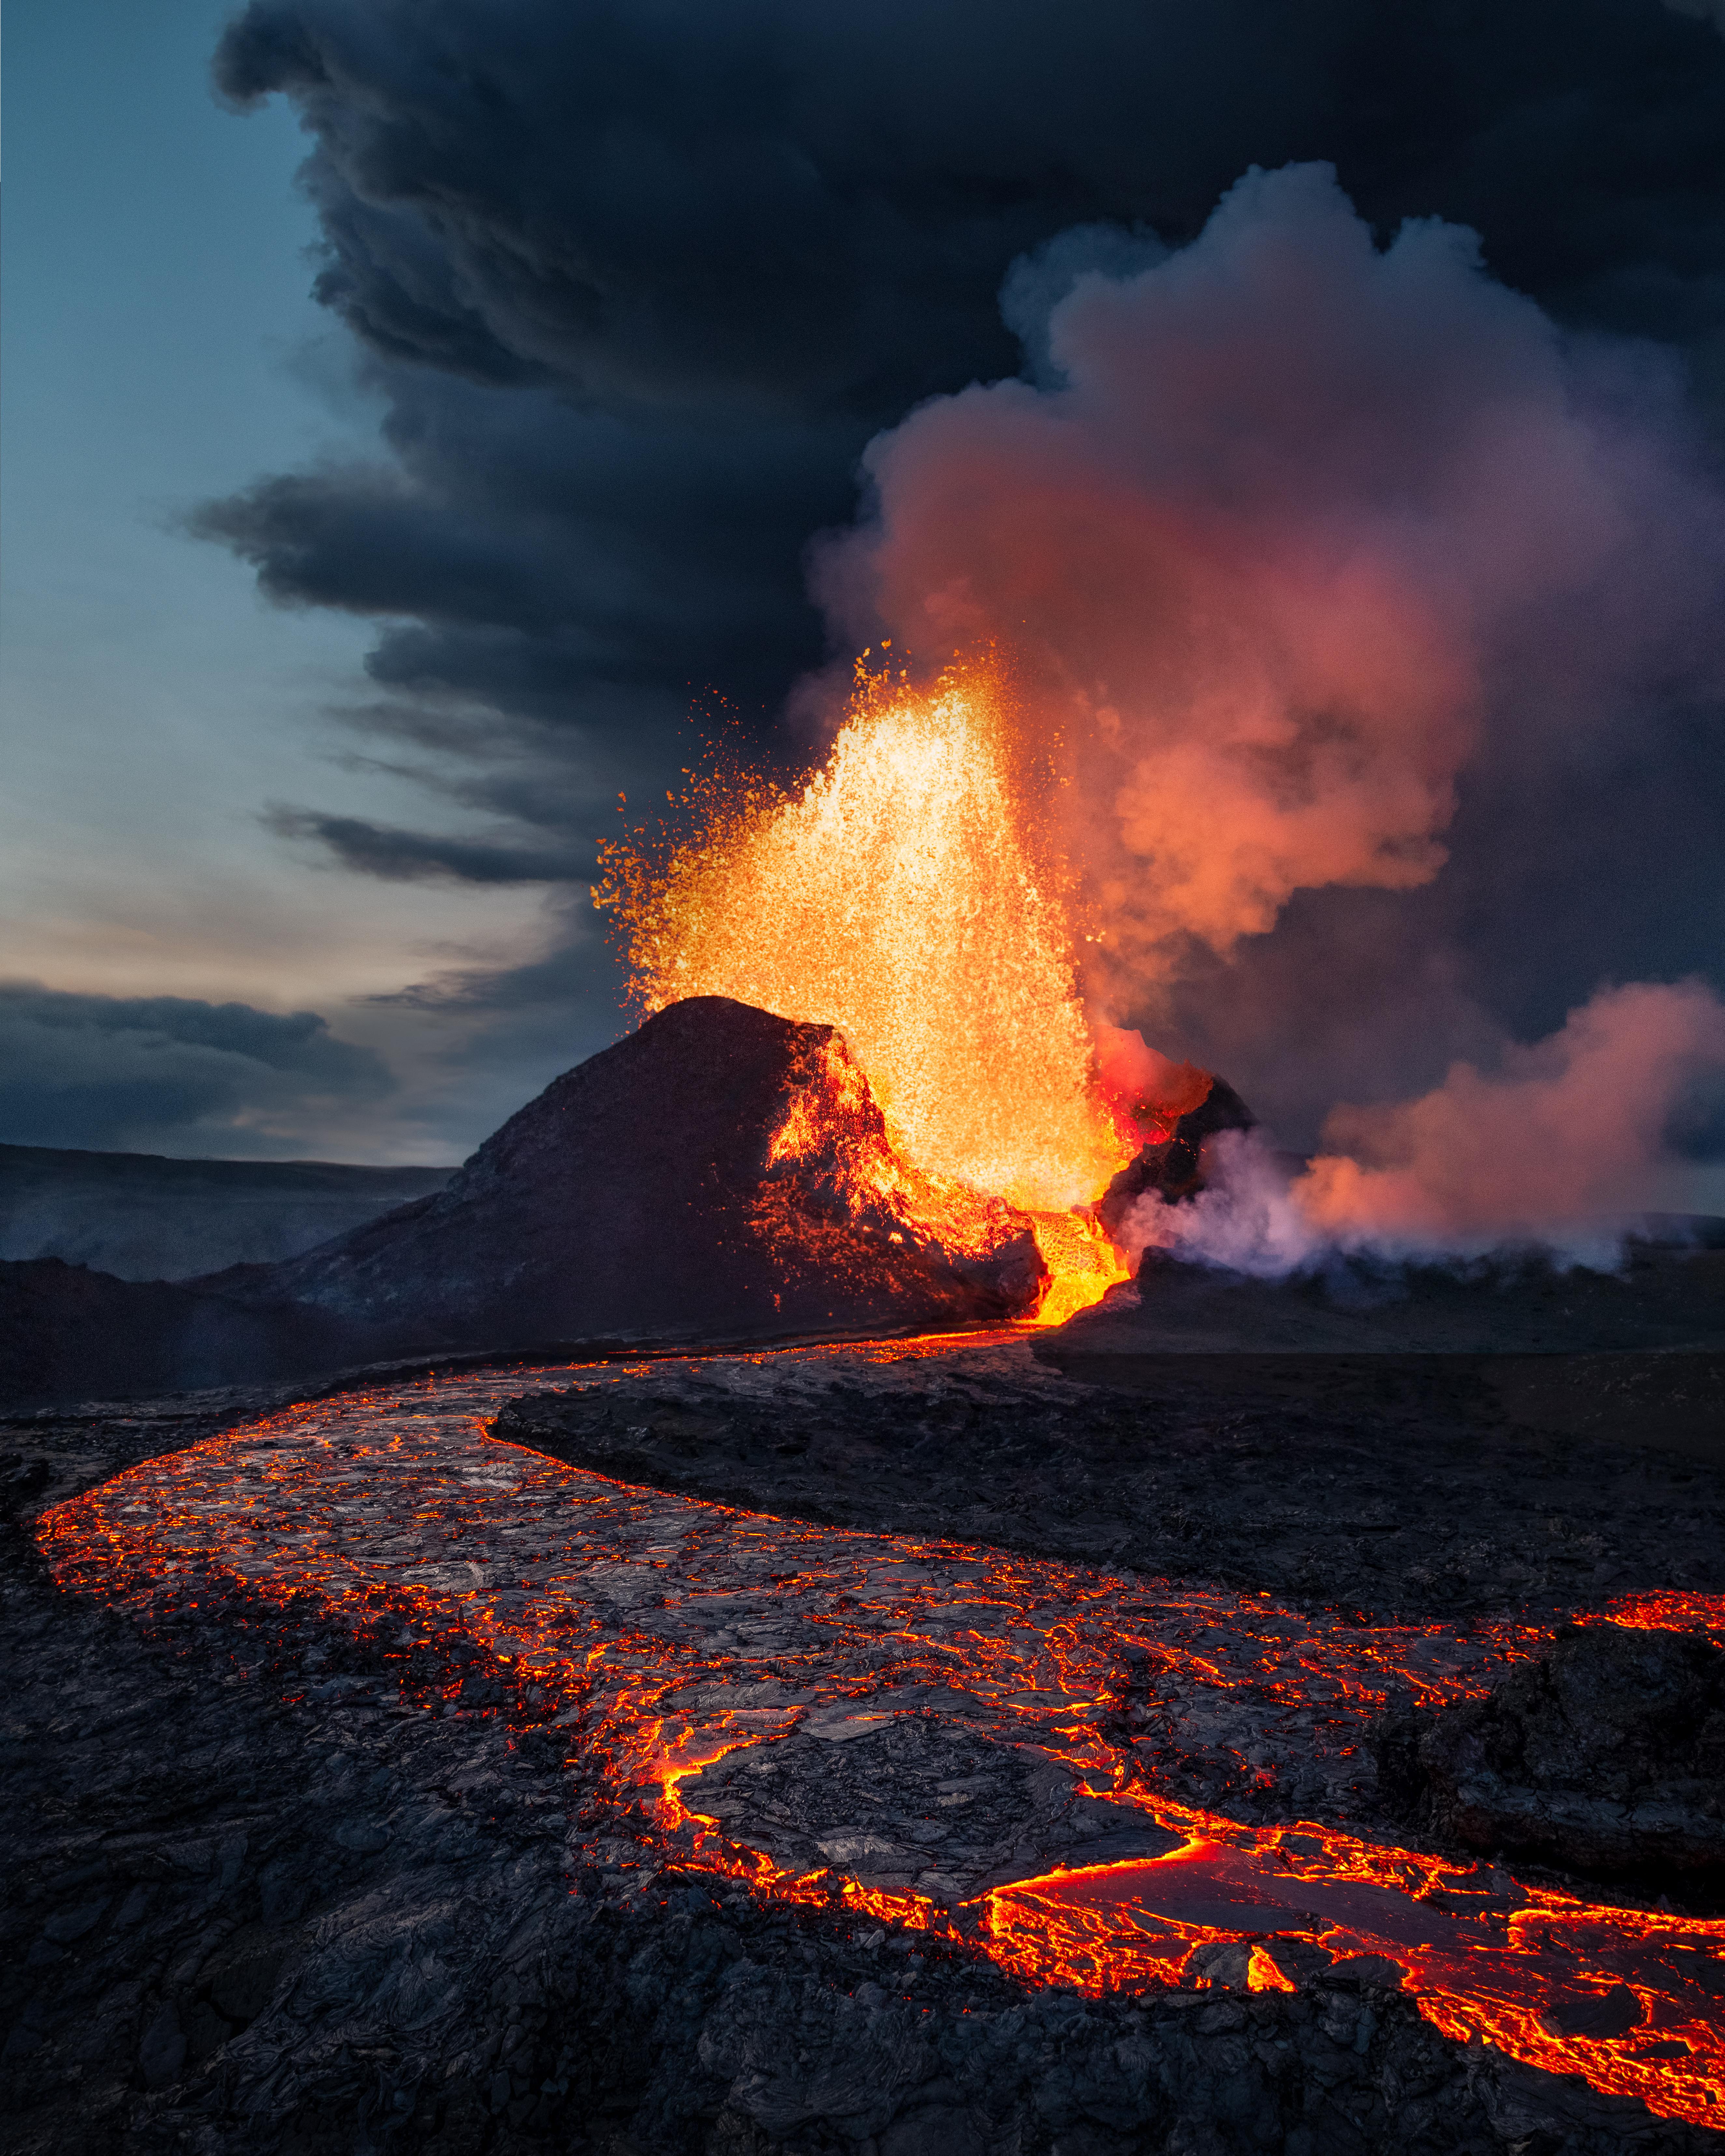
(168, 1073)
(1603, 1122)
(637, 285)
(787, 205)
(1295, 526)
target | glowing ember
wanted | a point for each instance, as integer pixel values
(902, 897)
(666, 1635)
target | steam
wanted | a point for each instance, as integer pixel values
(1561, 1146)
(1286, 536)
(1146, 1091)
(1286, 527)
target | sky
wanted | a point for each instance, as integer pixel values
(372, 522)
(162, 347)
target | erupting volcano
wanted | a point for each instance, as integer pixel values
(912, 895)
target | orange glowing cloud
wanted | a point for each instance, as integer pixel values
(1266, 545)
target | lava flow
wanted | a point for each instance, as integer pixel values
(952, 1737)
(902, 897)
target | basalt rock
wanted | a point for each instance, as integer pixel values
(1173, 1168)
(260, 1903)
(68, 1333)
(1605, 1756)
(721, 1175)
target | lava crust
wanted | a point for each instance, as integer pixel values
(433, 1790)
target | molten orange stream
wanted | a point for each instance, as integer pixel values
(901, 896)
(381, 1514)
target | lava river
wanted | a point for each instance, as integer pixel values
(939, 1736)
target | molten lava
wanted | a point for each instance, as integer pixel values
(833, 1130)
(905, 896)
(661, 1634)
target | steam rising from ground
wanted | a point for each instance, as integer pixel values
(1563, 1146)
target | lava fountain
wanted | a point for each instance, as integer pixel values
(907, 895)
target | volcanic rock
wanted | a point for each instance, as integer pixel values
(263, 1901)
(1636, 1356)
(721, 1175)
(69, 1334)
(1171, 1168)
(1606, 1755)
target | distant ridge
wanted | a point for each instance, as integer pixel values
(145, 1216)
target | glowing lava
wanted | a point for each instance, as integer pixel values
(661, 1634)
(902, 896)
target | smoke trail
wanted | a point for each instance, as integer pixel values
(1559, 1146)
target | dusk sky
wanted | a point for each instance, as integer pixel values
(371, 522)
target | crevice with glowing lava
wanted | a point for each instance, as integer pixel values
(675, 1641)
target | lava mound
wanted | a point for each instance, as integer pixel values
(1171, 1167)
(1605, 1756)
(721, 1175)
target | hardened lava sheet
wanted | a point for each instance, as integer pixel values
(958, 1742)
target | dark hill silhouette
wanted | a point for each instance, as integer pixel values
(638, 1198)
(721, 1175)
(142, 1216)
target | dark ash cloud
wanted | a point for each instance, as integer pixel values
(411, 856)
(147, 1073)
(808, 206)
(637, 286)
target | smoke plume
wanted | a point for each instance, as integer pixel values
(1292, 539)
(1563, 1146)
(1290, 527)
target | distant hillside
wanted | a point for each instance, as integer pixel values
(143, 1217)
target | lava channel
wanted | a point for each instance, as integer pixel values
(951, 1737)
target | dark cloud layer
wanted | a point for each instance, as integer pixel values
(638, 284)
(814, 205)
(149, 1073)
(401, 857)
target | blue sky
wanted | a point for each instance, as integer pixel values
(161, 347)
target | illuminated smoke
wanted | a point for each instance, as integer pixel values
(1288, 533)
(1286, 528)
(1561, 1145)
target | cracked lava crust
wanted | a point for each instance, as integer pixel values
(1077, 1778)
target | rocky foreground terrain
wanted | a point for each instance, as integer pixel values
(272, 1894)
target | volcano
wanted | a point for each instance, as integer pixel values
(721, 1175)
